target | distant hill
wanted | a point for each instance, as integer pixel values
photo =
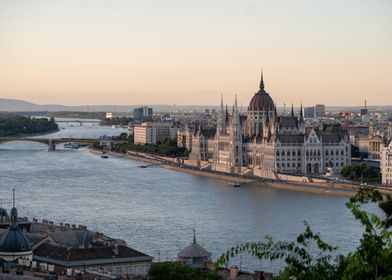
(14, 105)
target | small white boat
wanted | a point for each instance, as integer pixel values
(104, 156)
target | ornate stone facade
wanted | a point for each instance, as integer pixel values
(262, 143)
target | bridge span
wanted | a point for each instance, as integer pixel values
(51, 142)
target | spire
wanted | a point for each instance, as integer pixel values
(300, 111)
(14, 213)
(194, 236)
(222, 102)
(292, 110)
(261, 79)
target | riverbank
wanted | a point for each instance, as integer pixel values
(33, 134)
(334, 189)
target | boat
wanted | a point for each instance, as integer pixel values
(142, 166)
(234, 184)
(104, 155)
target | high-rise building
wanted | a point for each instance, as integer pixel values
(142, 114)
(309, 112)
(319, 111)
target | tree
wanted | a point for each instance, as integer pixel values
(301, 262)
(177, 271)
(373, 257)
(371, 260)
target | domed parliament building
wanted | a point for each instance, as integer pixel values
(261, 143)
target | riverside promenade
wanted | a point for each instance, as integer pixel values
(326, 188)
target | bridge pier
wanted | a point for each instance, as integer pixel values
(51, 145)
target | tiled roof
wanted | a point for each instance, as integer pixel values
(73, 238)
(287, 139)
(62, 253)
(194, 250)
(331, 139)
(288, 121)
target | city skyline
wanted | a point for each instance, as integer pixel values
(101, 52)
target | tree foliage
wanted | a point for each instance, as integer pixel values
(308, 257)
(122, 121)
(168, 147)
(176, 271)
(15, 125)
(361, 173)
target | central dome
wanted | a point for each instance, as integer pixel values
(14, 241)
(261, 101)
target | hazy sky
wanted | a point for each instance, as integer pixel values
(336, 52)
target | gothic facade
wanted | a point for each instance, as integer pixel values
(262, 143)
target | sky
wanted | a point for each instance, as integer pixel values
(88, 52)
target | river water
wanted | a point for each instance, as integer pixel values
(154, 209)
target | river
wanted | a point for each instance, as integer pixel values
(154, 209)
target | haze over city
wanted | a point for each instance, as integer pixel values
(191, 52)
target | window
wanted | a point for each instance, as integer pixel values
(326, 153)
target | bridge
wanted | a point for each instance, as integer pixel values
(52, 142)
(78, 121)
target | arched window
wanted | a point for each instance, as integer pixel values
(318, 152)
(326, 152)
(283, 154)
(288, 153)
(299, 152)
(294, 153)
(331, 152)
(277, 153)
(342, 152)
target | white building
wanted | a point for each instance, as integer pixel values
(386, 165)
(152, 133)
(263, 143)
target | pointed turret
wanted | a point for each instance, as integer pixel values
(292, 110)
(221, 123)
(261, 86)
